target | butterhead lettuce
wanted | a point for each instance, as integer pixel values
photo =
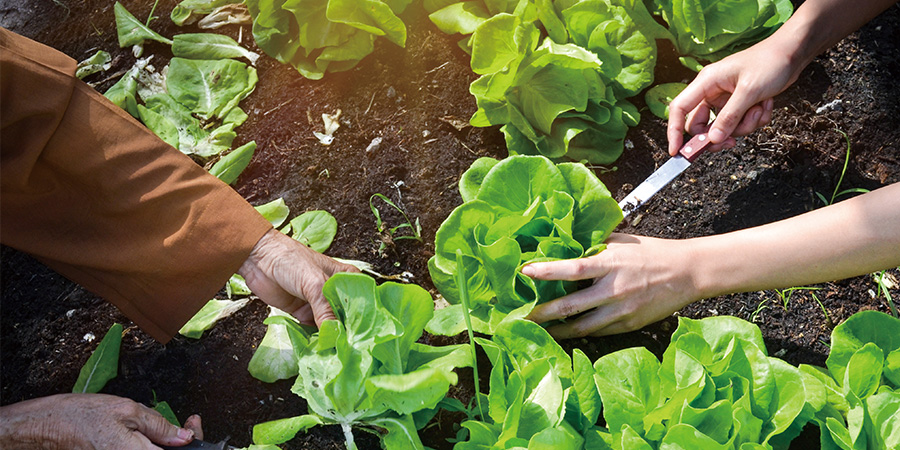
(516, 211)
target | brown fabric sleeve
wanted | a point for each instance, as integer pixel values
(96, 196)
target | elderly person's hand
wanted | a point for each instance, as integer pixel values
(90, 422)
(289, 276)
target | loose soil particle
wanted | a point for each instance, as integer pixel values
(416, 101)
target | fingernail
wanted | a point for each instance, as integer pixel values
(528, 271)
(716, 136)
(185, 434)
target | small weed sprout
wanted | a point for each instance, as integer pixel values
(784, 295)
(884, 288)
(416, 228)
(837, 192)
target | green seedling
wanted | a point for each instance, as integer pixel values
(883, 288)
(785, 296)
(391, 233)
(837, 192)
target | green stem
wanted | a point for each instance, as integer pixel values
(844, 171)
(150, 17)
(464, 298)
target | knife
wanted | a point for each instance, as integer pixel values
(665, 174)
(197, 444)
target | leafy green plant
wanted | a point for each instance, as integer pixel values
(316, 36)
(550, 98)
(711, 30)
(539, 398)
(366, 370)
(861, 401)
(516, 211)
(103, 365)
(193, 104)
(715, 388)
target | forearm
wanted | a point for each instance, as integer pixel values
(850, 238)
(819, 24)
(99, 198)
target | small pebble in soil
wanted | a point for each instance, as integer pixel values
(834, 105)
(70, 313)
(373, 146)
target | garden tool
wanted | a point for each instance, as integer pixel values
(197, 444)
(665, 174)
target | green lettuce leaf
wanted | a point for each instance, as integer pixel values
(519, 210)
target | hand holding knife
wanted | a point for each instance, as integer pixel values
(197, 444)
(665, 174)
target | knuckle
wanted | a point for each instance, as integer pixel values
(580, 268)
(567, 308)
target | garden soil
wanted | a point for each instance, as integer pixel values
(416, 101)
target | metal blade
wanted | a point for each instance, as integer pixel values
(656, 181)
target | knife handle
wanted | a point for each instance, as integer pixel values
(694, 147)
(197, 444)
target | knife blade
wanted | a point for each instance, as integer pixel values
(197, 444)
(665, 174)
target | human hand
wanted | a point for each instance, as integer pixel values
(289, 276)
(90, 422)
(740, 87)
(637, 280)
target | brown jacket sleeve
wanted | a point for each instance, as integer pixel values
(96, 196)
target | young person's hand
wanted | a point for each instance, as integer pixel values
(289, 276)
(90, 422)
(637, 280)
(739, 88)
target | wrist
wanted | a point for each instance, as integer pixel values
(712, 271)
(26, 425)
(263, 247)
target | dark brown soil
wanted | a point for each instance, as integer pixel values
(416, 100)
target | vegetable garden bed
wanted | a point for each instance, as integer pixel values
(417, 101)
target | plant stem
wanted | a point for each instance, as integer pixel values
(150, 17)
(464, 298)
(348, 436)
(844, 170)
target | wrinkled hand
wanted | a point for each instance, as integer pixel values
(740, 87)
(289, 276)
(90, 422)
(637, 280)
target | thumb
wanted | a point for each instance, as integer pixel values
(160, 431)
